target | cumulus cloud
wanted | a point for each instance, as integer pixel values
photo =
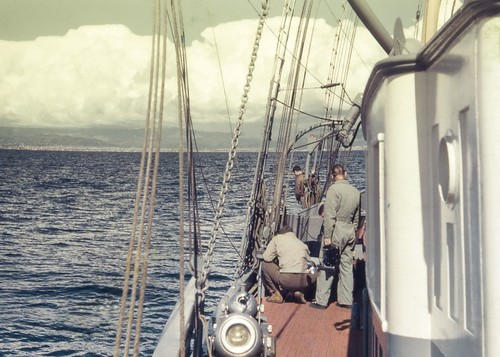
(92, 75)
(99, 75)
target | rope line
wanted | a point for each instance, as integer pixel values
(183, 112)
(144, 201)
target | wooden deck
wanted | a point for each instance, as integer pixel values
(301, 330)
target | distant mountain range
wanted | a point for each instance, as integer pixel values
(122, 139)
(112, 139)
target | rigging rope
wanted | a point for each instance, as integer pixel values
(201, 284)
(183, 110)
(138, 244)
(298, 112)
(339, 64)
(256, 204)
(288, 117)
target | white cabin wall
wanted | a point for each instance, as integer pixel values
(375, 231)
(455, 217)
(435, 129)
(407, 310)
(449, 102)
(488, 78)
(397, 260)
(462, 107)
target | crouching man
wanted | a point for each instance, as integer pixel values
(285, 267)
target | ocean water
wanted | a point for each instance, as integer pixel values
(65, 222)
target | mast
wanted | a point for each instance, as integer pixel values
(430, 19)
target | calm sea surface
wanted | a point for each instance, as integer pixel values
(65, 222)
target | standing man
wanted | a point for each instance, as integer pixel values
(285, 267)
(300, 184)
(340, 222)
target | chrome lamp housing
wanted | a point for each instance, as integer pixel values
(238, 334)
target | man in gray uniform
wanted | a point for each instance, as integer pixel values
(339, 224)
(285, 267)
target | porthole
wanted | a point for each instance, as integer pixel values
(448, 169)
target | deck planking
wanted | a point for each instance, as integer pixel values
(301, 330)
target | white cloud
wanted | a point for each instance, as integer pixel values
(92, 75)
(99, 75)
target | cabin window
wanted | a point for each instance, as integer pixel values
(448, 171)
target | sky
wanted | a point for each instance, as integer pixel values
(85, 63)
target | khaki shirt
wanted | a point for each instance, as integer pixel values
(291, 252)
